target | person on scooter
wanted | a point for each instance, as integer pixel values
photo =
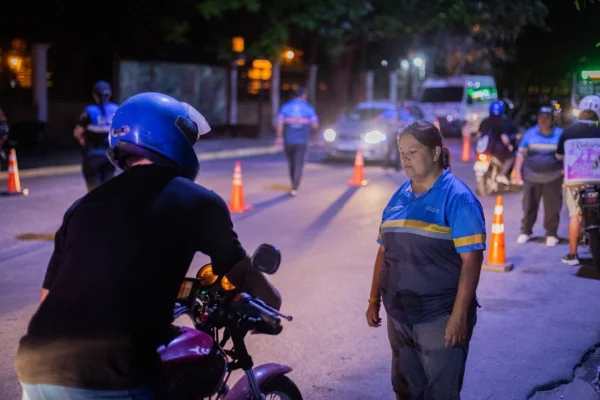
(120, 256)
(541, 172)
(586, 127)
(499, 129)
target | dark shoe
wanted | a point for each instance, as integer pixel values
(571, 259)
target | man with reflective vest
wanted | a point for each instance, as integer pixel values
(294, 123)
(92, 133)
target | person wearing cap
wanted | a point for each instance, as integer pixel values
(541, 173)
(294, 123)
(92, 133)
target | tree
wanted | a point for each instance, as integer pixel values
(342, 26)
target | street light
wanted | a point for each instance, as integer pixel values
(289, 55)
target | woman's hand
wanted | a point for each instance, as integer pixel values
(456, 330)
(373, 315)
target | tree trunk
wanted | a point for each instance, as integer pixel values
(342, 76)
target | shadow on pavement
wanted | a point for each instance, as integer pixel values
(261, 206)
(327, 216)
(588, 271)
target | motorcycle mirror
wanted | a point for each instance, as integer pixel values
(266, 259)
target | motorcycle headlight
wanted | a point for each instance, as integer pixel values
(206, 276)
(375, 137)
(226, 285)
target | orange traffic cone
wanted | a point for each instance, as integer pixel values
(14, 183)
(466, 149)
(496, 252)
(359, 171)
(237, 195)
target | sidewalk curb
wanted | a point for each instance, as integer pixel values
(216, 155)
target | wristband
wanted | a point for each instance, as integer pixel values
(374, 300)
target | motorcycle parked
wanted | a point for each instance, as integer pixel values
(589, 202)
(196, 364)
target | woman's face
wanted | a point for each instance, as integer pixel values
(417, 160)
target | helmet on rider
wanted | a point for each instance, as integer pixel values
(157, 127)
(587, 104)
(497, 108)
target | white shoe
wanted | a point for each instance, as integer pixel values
(552, 241)
(294, 192)
(523, 238)
(503, 179)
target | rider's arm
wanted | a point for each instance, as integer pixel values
(55, 261)
(60, 239)
(220, 242)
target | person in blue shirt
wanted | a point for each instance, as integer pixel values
(294, 123)
(92, 133)
(431, 242)
(541, 173)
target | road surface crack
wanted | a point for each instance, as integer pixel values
(547, 387)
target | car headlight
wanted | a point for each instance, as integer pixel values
(329, 135)
(375, 137)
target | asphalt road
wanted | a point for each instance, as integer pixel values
(535, 324)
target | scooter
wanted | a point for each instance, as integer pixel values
(487, 168)
(196, 364)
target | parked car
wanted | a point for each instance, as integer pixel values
(367, 126)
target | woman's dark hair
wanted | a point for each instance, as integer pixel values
(429, 136)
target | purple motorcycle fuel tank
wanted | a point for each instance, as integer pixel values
(193, 364)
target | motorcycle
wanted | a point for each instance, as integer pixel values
(589, 203)
(487, 168)
(196, 363)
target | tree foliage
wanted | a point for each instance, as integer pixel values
(340, 23)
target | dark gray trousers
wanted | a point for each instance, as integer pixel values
(551, 194)
(296, 157)
(422, 367)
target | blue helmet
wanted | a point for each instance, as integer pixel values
(159, 128)
(497, 108)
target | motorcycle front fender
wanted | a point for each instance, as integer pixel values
(265, 372)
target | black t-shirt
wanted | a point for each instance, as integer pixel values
(120, 257)
(579, 130)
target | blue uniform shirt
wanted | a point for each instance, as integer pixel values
(297, 116)
(423, 237)
(541, 165)
(97, 125)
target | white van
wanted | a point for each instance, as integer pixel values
(459, 102)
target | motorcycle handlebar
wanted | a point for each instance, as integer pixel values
(248, 304)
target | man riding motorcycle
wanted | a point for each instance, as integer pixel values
(120, 256)
(586, 127)
(499, 129)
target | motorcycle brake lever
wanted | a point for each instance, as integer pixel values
(274, 311)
